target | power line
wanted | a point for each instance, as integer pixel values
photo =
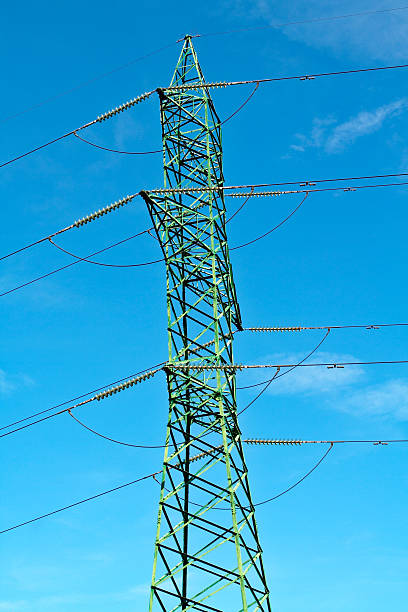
(245, 244)
(126, 105)
(93, 144)
(298, 482)
(107, 115)
(311, 182)
(163, 363)
(279, 375)
(225, 189)
(78, 503)
(316, 327)
(106, 265)
(84, 221)
(96, 433)
(73, 399)
(203, 35)
(295, 442)
(253, 193)
(88, 82)
(242, 366)
(303, 22)
(73, 263)
(98, 397)
(297, 77)
(146, 477)
(268, 194)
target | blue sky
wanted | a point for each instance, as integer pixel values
(339, 541)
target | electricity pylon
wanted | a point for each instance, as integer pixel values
(207, 552)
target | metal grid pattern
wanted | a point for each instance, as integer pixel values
(207, 549)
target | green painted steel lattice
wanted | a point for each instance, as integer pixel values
(207, 552)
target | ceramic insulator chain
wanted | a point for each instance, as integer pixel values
(125, 106)
(187, 189)
(198, 86)
(275, 442)
(206, 453)
(207, 368)
(103, 211)
(126, 385)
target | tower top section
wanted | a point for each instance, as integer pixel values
(188, 69)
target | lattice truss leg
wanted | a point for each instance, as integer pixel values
(207, 552)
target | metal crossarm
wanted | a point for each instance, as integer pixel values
(207, 552)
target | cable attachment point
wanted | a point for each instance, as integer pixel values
(103, 211)
(334, 365)
(124, 106)
(307, 78)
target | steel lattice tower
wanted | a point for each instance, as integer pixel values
(207, 552)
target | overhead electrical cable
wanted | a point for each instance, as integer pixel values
(311, 21)
(298, 482)
(211, 85)
(248, 366)
(163, 363)
(116, 205)
(73, 399)
(203, 35)
(112, 439)
(296, 442)
(73, 263)
(79, 223)
(106, 265)
(98, 397)
(89, 81)
(245, 244)
(279, 374)
(97, 146)
(78, 503)
(127, 484)
(297, 77)
(107, 115)
(268, 194)
(242, 105)
(312, 182)
(251, 194)
(316, 327)
(93, 144)
(246, 195)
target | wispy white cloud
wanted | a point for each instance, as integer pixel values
(381, 36)
(11, 382)
(366, 122)
(312, 381)
(334, 137)
(342, 389)
(6, 386)
(388, 400)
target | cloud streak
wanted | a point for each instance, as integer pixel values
(388, 400)
(334, 137)
(312, 381)
(382, 36)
